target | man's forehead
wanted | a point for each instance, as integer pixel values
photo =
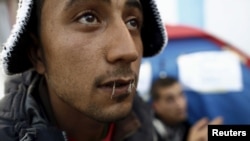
(70, 2)
(133, 3)
(109, 1)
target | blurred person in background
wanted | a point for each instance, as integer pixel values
(171, 119)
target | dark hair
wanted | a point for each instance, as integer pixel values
(161, 83)
(35, 21)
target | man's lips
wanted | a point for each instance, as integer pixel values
(118, 83)
(116, 87)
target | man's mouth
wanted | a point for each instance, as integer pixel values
(117, 87)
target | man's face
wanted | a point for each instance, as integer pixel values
(91, 53)
(171, 105)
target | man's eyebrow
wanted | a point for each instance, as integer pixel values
(69, 3)
(134, 3)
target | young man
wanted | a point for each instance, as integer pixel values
(170, 106)
(74, 67)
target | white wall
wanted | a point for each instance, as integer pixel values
(4, 24)
(229, 19)
(168, 10)
(4, 32)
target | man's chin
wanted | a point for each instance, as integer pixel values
(119, 115)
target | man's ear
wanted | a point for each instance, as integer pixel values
(157, 105)
(154, 105)
(35, 54)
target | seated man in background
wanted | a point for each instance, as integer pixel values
(170, 107)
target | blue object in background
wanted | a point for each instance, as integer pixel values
(234, 107)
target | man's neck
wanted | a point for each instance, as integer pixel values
(170, 124)
(74, 123)
(77, 125)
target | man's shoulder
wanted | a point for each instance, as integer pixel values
(10, 112)
(14, 82)
(20, 114)
(12, 105)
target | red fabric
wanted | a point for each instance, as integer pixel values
(110, 133)
(107, 138)
(70, 139)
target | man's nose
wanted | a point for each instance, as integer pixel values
(123, 46)
(181, 102)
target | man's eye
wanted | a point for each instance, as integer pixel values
(89, 19)
(169, 100)
(133, 24)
